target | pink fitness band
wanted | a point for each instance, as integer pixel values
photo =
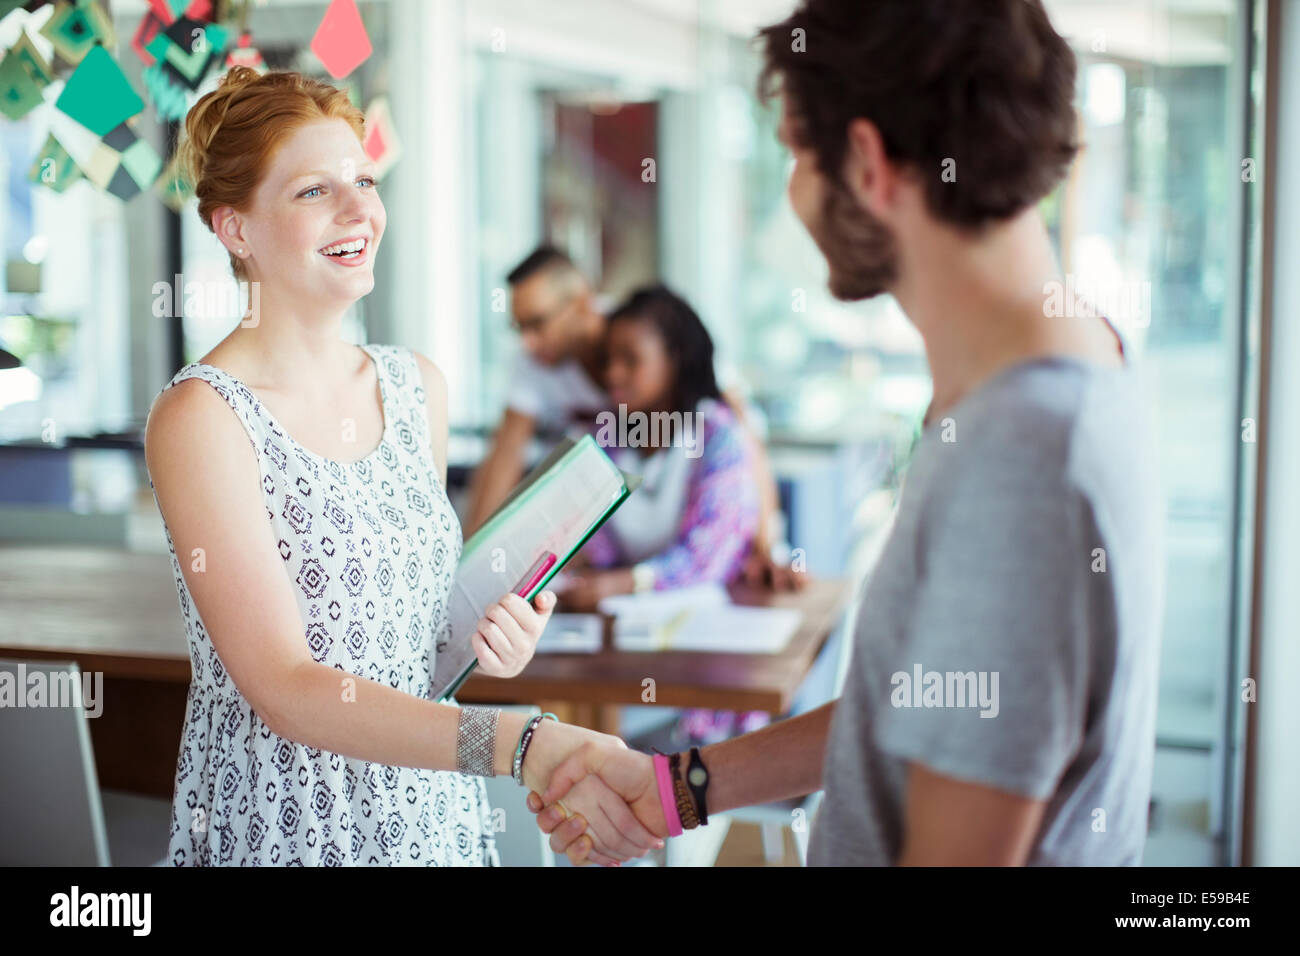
(666, 797)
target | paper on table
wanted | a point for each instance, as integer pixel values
(655, 605)
(572, 634)
(728, 628)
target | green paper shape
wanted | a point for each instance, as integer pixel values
(54, 166)
(218, 36)
(172, 186)
(167, 95)
(188, 65)
(159, 44)
(98, 94)
(142, 162)
(19, 93)
(31, 57)
(76, 29)
(192, 65)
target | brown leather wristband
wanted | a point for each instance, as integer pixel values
(685, 805)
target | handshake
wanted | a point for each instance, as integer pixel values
(611, 810)
(597, 799)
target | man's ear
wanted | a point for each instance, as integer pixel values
(229, 228)
(868, 172)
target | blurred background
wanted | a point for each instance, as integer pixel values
(521, 121)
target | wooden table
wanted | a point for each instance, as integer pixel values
(117, 612)
(588, 689)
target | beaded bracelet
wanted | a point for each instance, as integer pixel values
(526, 738)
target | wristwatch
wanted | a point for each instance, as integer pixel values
(697, 778)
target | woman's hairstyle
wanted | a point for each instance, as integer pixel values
(690, 349)
(232, 132)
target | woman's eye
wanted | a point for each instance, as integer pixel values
(307, 192)
(368, 180)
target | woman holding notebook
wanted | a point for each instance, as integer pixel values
(312, 542)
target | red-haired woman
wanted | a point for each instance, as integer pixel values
(312, 541)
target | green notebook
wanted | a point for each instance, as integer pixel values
(556, 508)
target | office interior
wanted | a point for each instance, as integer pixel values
(521, 121)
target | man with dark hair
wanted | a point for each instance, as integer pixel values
(1000, 702)
(557, 382)
(556, 379)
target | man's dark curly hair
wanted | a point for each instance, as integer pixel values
(986, 83)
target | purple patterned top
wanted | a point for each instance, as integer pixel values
(721, 513)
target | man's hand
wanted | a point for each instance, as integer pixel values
(628, 774)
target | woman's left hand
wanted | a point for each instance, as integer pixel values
(508, 633)
(588, 588)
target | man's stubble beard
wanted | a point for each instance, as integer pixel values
(859, 249)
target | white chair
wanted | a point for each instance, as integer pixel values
(52, 811)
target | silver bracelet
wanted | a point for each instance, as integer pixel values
(476, 740)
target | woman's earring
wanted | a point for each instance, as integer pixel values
(241, 252)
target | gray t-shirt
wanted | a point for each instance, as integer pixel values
(1010, 633)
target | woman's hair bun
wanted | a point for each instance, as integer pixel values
(205, 118)
(238, 76)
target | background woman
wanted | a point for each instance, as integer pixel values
(693, 518)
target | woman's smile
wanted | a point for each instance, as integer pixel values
(353, 251)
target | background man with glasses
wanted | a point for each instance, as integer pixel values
(557, 381)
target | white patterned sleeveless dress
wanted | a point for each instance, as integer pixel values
(370, 548)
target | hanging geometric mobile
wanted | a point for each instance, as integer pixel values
(381, 143)
(167, 96)
(54, 167)
(172, 186)
(123, 164)
(341, 42)
(98, 94)
(19, 91)
(36, 64)
(161, 15)
(75, 29)
(9, 6)
(188, 49)
(243, 53)
(149, 28)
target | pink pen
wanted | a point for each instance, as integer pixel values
(535, 574)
